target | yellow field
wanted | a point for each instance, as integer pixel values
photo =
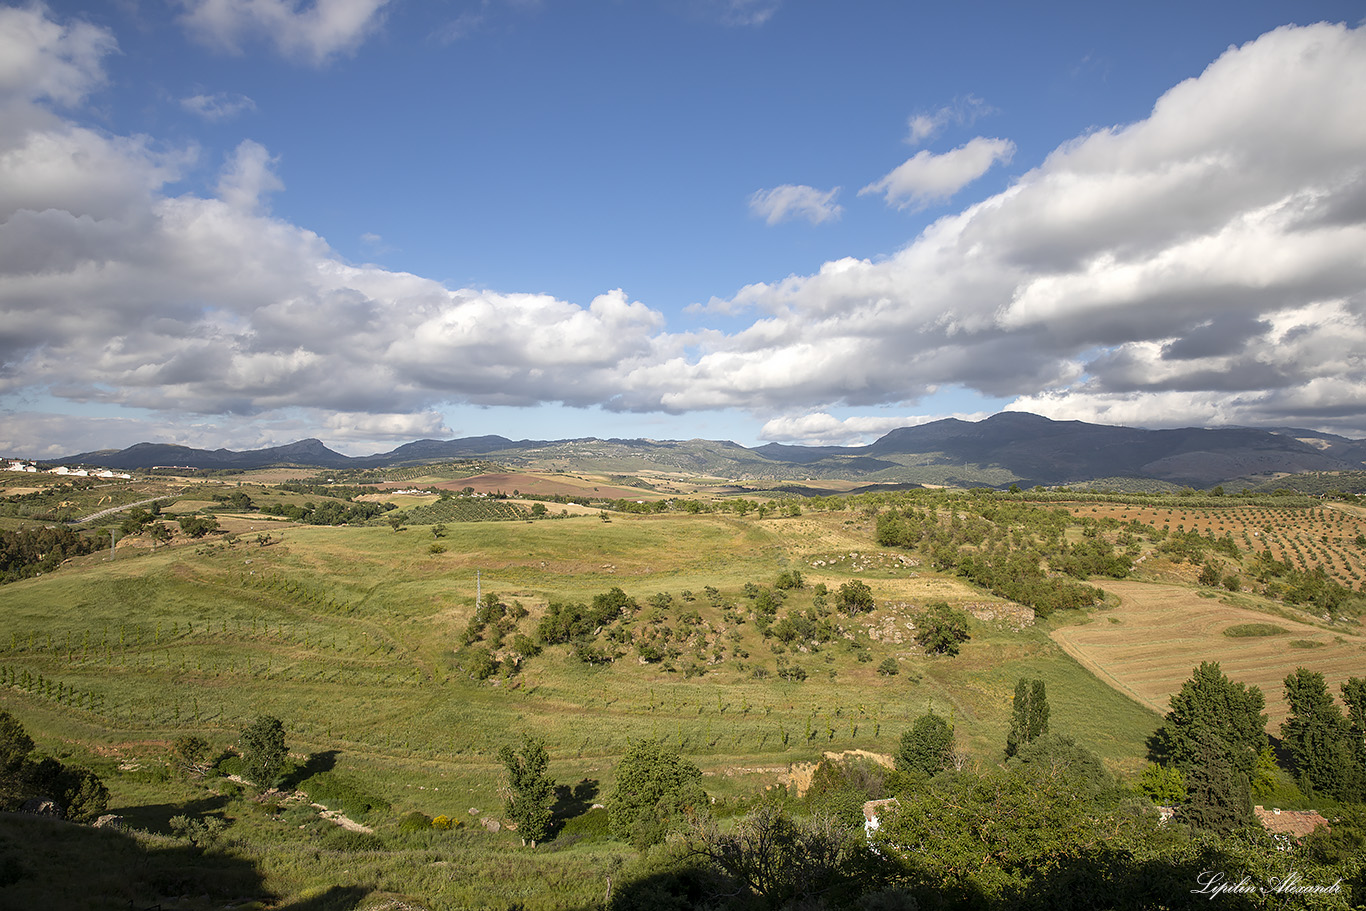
(1148, 646)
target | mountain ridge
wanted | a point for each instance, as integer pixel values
(1010, 447)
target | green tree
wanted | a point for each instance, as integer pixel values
(15, 747)
(942, 629)
(197, 526)
(531, 792)
(1218, 793)
(1163, 785)
(1210, 703)
(263, 749)
(855, 597)
(1318, 738)
(1029, 714)
(778, 860)
(927, 747)
(191, 754)
(656, 791)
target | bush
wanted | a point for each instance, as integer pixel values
(888, 667)
(942, 629)
(415, 821)
(344, 793)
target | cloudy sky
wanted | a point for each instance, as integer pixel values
(245, 222)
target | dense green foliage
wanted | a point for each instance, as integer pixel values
(1028, 714)
(927, 747)
(262, 745)
(31, 551)
(531, 791)
(941, 629)
(78, 793)
(1319, 740)
(656, 791)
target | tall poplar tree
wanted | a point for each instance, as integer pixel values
(531, 791)
(1317, 737)
(1029, 715)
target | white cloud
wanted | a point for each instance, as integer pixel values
(820, 428)
(927, 178)
(247, 176)
(746, 12)
(312, 33)
(962, 112)
(41, 59)
(218, 106)
(786, 202)
(1204, 263)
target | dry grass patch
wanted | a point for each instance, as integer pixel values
(1165, 631)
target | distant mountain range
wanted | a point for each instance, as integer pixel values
(1007, 448)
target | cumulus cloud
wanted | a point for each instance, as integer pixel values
(218, 106)
(927, 178)
(43, 60)
(312, 33)
(786, 202)
(820, 428)
(1201, 265)
(248, 175)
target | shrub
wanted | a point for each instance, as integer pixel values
(888, 667)
(416, 821)
(942, 629)
(344, 792)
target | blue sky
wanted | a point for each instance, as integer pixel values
(244, 222)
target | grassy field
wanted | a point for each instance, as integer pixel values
(353, 637)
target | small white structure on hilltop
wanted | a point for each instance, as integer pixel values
(107, 473)
(20, 465)
(70, 472)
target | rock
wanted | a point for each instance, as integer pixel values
(111, 821)
(490, 824)
(41, 806)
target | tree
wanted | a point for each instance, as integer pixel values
(192, 755)
(657, 790)
(161, 533)
(15, 747)
(263, 749)
(927, 747)
(942, 629)
(1029, 716)
(531, 790)
(784, 863)
(1218, 794)
(1163, 785)
(197, 526)
(1211, 704)
(855, 597)
(1317, 737)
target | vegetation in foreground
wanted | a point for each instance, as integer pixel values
(709, 643)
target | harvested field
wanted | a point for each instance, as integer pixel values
(1148, 646)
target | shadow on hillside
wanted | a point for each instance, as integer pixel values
(325, 761)
(571, 802)
(337, 898)
(50, 863)
(156, 817)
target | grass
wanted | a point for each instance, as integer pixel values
(352, 637)
(1254, 630)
